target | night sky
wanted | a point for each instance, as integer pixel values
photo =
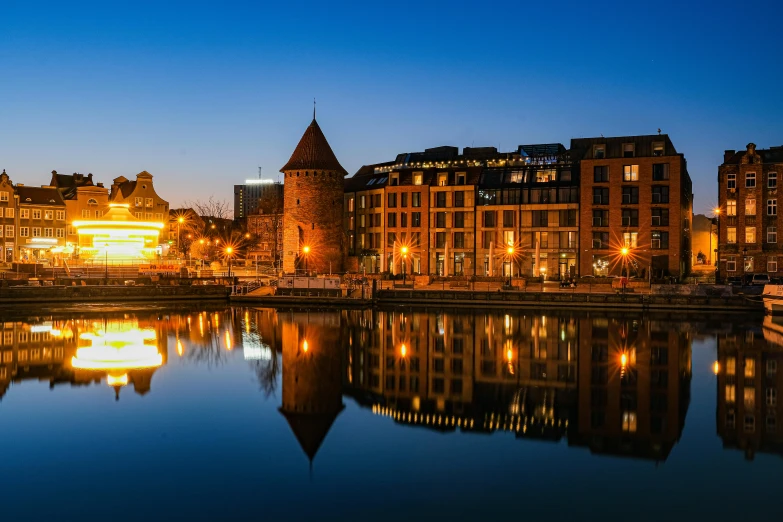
(202, 93)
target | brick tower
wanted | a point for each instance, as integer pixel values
(313, 206)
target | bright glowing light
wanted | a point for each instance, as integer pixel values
(228, 341)
(716, 210)
(624, 360)
(305, 346)
(509, 355)
(229, 250)
(716, 368)
(181, 219)
(624, 251)
(510, 250)
(404, 250)
(306, 249)
(117, 380)
(403, 350)
(180, 348)
(128, 349)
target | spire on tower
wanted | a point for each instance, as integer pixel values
(313, 107)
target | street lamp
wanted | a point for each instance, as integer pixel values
(306, 251)
(229, 251)
(510, 253)
(180, 220)
(716, 211)
(624, 252)
(404, 251)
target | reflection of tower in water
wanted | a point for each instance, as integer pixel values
(312, 383)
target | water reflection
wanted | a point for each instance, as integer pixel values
(610, 385)
(748, 387)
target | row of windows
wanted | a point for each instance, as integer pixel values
(750, 234)
(143, 202)
(749, 367)
(630, 217)
(24, 213)
(750, 207)
(659, 193)
(660, 172)
(485, 197)
(659, 240)
(539, 218)
(25, 232)
(749, 264)
(34, 354)
(750, 180)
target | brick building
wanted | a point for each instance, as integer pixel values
(748, 220)
(40, 235)
(313, 234)
(635, 193)
(7, 218)
(141, 198)
(750, 377)
(458, 214)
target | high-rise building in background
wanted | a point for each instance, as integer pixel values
(254, 195)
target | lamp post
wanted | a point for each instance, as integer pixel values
(744, 264)
(404, 251)
(306, 251)
(716, 211)
(229, 251)
(624, 252)
(510, 254)
(180, 220)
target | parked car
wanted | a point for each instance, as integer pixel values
(760, 280)
(734, 281)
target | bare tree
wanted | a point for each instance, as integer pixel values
(211, 208)
(267, 373)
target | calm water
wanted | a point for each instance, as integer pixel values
(209, 413)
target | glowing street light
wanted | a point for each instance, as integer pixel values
(306, 252)
(229, 252)
(510, 254)
(404, 251)
(624, 252)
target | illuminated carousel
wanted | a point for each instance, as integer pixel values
(118, 234)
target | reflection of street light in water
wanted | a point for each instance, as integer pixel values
(305, 346)
(403, 350)
(716, 368)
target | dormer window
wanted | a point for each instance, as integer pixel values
(628, 150)
(599, 151)
(418, 178)
(394, 180)
(461, 178)
(657, 148)
(443, 179)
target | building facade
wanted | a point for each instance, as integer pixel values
(313, 235)
(266, 230)
(635, 194)
(40, 231)
(748, 218)
(482, 212)
(141, 198)
(257, 195)
(84, 199)
(7, 218)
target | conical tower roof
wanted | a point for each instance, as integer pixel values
(313, 153)
(310, 429)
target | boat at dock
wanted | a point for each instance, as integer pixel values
(773, 299)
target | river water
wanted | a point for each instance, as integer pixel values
(220, 413)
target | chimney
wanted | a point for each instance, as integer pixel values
(100, 185)
(89, 176)
(727, 154)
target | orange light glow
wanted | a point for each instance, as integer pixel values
(624, 360)
(305, 346)
(404, 350)
(306, 249)
(716, 368)
(624, 251)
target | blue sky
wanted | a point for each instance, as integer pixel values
(202, 93)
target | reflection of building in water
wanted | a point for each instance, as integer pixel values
(749, 383)
(472, 372)
(32, 351)
(312, 375)
(634, 387)
(81, 351)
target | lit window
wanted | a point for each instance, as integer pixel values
(749, 264)
(731, 366)
(629, 421)
(631, 173)
(749, 397)
(4, 196)
(750, 207)
(443, 179)
(750, 367)
(731, 234)
(750, 234)
(731, 393)
(731, 207)
(418, 178)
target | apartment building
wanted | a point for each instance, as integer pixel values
(84, 199)
(40, 231)
(480, 212)
(140, 196)
(748, 219)
(635, 194)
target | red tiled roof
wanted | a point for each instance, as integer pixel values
(313, 153)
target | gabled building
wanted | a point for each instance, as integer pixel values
(141, 198)
(748, 219)
(7, 218)
(84, 199)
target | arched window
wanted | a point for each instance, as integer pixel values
(92, 201)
